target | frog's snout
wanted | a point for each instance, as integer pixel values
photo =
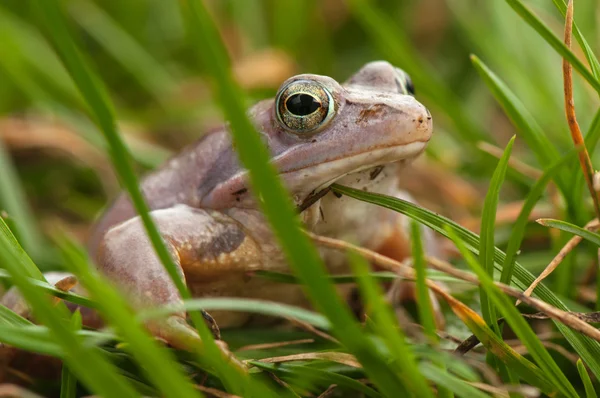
(424, 123)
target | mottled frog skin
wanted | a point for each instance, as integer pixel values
(318, 132)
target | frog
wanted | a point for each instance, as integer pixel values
(358, 133)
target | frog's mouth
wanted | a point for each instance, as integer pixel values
(307, 182)
(314, 181)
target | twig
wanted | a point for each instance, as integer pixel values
(268, 346)
(405, 271)
(328, 392)
(515, 163)
(567, 248)
(584, 157)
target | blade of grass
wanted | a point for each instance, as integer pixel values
(99, 375)
(387, 328)
(546, 153)
(571, 228)
(39, 339)
(449, 382)
(254, 306)
(9, 317)
(325, 377)
(426, 315)
(426, 312)
(590, 392)
(68, 381)
(32, 46)
(519, 365)
(544, 31)
(588, 349)
(13, 200)
(488, 224)
(301, 254)
(518, 324)
(486, 250)
(50, 289)
(56, 25)
(518, 229)
(122, 47)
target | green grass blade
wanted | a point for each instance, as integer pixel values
(117, 42)
(50, 289)
(426, 315)
(451, 383)
(51, 14)
(518, 324)
(254, 306)
(301, 254)
(488, 226)
(35, 338)
(590, 392)
(32, 338)
(587, 49)
(387, 328)
(8, 317)
(593, 134)
(325, 377)
(556, 43)
(396, 47)
(588, 349)
(518, 229)
(518, 364)
(27, 43)
(571, 228)
(591, 142)
(531, 132)
(68, 384)
(98, 374)
(13, 200)
(426, 312)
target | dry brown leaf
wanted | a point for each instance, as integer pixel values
(339, 357)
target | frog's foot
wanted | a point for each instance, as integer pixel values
(397, 246)
(206, 245)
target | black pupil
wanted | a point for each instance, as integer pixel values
(302, 104)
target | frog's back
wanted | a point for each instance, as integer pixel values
(181, 180)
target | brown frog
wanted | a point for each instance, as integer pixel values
(318, 132)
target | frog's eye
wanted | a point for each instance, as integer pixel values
(404, 82)
(304, 106)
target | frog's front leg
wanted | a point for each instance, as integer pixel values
(397, 245)
(206, 246)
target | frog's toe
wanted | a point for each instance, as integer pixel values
(175, 331)
(212, 324)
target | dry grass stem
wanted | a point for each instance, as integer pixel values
(405, 271)
(515, 163)
(328, 392)
(584, 157)
(567, 248)
(268, 346)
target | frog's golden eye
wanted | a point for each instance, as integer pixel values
(304, 106)
(404, 82)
